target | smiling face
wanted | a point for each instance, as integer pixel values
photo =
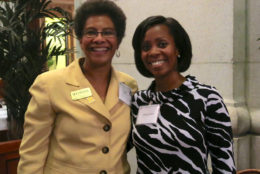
(158, 52)
(99, 50)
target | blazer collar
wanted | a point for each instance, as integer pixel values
(74, 76)
(76, 80)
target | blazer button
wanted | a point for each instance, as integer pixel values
(103, 172)
(106, 127)
(105, 149)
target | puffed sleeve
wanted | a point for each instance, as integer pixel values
(219, 135)
(39, 119)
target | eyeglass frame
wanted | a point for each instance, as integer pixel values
(96, 33)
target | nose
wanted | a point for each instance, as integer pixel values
(99, 38)
(154, 52)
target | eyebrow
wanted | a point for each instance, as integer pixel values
(93, 28)
(156, 40)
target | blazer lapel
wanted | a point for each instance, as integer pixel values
(75, 80)
(112, 92)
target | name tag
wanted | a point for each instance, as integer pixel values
(125, 93)
(82, 93)
(148, 114)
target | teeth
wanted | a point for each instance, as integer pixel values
(100, 49)
(157, 62)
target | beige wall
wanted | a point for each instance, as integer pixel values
(253, 77)
(205, 21)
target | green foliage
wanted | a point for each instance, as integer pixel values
(24, 51)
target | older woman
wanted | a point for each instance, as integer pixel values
(78, 119)
(178, 121)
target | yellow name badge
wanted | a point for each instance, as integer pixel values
(82, 93)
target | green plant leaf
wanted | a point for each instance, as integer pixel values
(24, 49)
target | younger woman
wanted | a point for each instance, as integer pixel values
(178, 121)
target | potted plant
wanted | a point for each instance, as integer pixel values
(24, 51)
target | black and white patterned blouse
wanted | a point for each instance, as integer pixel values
(193, 122)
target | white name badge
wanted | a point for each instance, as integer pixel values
(148, 114)
(82, 93)
(125, 93)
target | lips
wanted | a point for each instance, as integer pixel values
(99, 49)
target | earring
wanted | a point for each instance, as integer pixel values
(117, 53)
(179, 56)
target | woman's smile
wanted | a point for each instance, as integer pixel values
(159, 52)
(157, 63)
(99, 49)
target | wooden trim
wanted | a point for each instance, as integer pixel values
(71, 2)
(9, 146)
(249, 171)
(9, 156)
(65, 5)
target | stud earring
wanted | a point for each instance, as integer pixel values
(178, 56)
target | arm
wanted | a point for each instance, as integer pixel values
(129, 144)
(219, 135)
(39, 119)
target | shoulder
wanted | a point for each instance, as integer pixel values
(143, 93)
(59, 74)
(201, 88)
(127, 79)
(50, 79)
(51, 75)
(141, 97)
(124, 77)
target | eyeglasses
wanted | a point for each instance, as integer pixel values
(105, 34)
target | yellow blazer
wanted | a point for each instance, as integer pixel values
(65, 136)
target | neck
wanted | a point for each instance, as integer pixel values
(96, 73)
(168, 83)
(99, 78)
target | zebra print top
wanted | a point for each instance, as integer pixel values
(193, 122)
